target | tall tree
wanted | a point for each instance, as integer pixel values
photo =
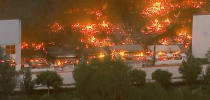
(7, 80)
(103, 80)
(190, 70)
(49, 79)
(206, 76)
(27, 85)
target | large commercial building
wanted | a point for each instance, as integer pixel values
(10, 40)
(201, 35)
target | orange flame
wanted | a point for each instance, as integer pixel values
(140, 54)
(164, 41)
(101, 55)
(157, 8)
(161, 53)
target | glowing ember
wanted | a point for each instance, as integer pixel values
(122, 53)
(24, 45)
(187, 45)
(182, 33)
(93, 28)
(34, 46)
(184, 38)
(160, 14)
(140, 54)
(179, 40)
(194, 3)
(86, 29)
(167, 21)
(162, 56)
(90, 30)
(164, 41)
(97, 13)
(93, 39)
(56, 27)
(2, 61)
(161, 53)
(189, 37)
(177, 52)
(149, 52)
(59, 63)
(90, 27)
(99, 27)
(101, 55)
(104, 24)
(162, 8)
(38, 46)
(156, 26)
(157, 8)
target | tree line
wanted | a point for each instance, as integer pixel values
(107, 79)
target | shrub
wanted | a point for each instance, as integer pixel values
(7, 80)
(151, 91)
(162, 77)
(28, 84)
(137, 77)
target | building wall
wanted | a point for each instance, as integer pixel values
(201, 35)
(10, 34)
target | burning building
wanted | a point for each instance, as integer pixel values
(127, 52)
(167, 54)
(10, 41)
(62, 56)
(134, 55)
(137, 56)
